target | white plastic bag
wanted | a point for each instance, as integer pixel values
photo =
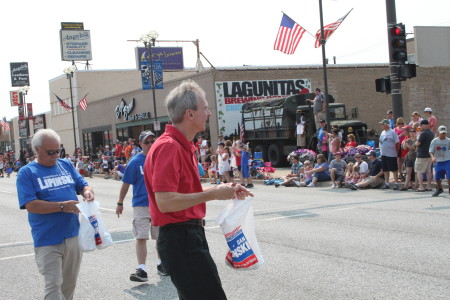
(236, 220)
(99, 236)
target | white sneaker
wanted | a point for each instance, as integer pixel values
(311, 185)
(333, 186)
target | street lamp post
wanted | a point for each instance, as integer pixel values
(149, 39)
(69, 74)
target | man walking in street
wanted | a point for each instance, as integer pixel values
(134, 175)
(389, 147)
(440, 154)
(423, 159)
(47, 188)
(319, 107)
(178, 200)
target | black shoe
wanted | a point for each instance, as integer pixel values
(139, 276)
(353, 187)
(386, 187)
(439, 191)
(249, 185)
(277, 185)
(161, 270)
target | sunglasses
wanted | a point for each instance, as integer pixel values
(357, 156)
(148, 142)
(51, 152)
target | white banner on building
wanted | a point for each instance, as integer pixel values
(231, 95)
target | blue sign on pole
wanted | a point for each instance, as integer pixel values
(144, 66)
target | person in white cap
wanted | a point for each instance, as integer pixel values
(439, 151)
(431, 119)
(142, 227)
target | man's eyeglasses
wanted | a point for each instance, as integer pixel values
(148, 142)
(51, 152)
(357, 156)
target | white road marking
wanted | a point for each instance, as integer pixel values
(108, 209)
(15, 243)
(17, 256)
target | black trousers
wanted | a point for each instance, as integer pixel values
(185, 255)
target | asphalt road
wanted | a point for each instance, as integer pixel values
(318, 243)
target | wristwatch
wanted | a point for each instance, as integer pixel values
(61, 206)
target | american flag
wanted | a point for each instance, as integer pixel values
(4, 124)
(289, 35)
(83, 103)
(63, 104)
(329, 29)
(242, 129)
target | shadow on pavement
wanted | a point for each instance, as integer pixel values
(163, 290)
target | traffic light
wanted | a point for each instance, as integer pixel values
(408, 71)
(398, 43)
(383, 85)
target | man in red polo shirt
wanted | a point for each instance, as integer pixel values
(177, 199)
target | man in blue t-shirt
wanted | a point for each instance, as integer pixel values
(47, 188)
(134, 175)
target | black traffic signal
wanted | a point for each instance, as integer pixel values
(407, 71)
(383, 85)
(398, 43)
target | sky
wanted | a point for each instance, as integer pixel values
(231, 33)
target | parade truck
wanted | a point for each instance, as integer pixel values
(270, 125)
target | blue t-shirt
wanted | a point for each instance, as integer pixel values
(60, 182)
(134, 175)
(325, 165)
(121, 168)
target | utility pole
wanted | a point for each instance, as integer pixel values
(394, 66)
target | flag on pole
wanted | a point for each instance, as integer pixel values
(63, 104)
(83, 103)
(242, 129)
(5, 124)
(289, 35)
(329, 29)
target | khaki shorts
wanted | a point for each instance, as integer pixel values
(422, 165)
(142, 225)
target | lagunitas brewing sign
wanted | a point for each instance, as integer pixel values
(231, 95)
(19, 74)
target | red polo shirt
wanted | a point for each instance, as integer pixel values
(171, 166)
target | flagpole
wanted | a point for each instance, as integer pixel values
(324, 63)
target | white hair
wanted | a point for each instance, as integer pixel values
(182, 98)
(42, 134)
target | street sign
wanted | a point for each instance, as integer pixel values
(156, 126)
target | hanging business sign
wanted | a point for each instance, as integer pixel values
(75, 45)
(39, 122)
(23, 128)
(30, 111)
(231, 95)
(14, 98)
(19, 74)
(21, 110)
(171, 57)
(157, 75)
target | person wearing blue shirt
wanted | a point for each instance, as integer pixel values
(320, 172)
(47, 188)
(134, 175)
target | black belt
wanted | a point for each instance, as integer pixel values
(193, 222)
